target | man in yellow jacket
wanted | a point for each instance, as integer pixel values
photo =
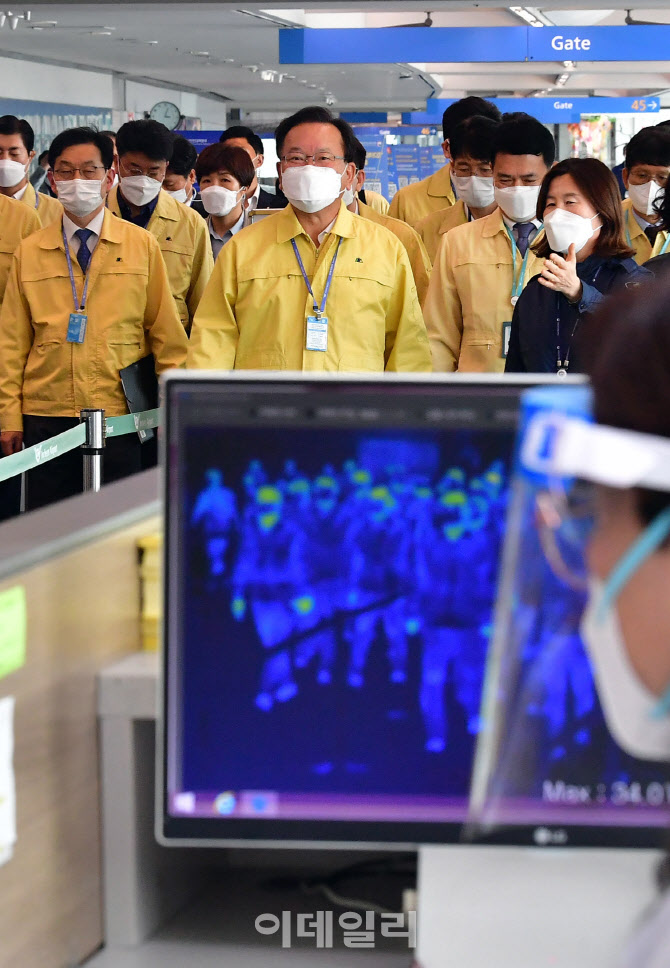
(645, 177)
(482, 267)
(414, 202)
(17, 141)
(471, 147)
(416, 252)
(313, 287)
(144, 149)
(85, 298)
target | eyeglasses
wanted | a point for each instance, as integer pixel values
(157, 172)
(321, 158)
(67, 172)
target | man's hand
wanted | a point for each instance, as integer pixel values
(11, 442)
(560, 275)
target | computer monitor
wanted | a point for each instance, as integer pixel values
(331, 558)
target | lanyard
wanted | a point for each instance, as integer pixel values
(317, 312)
(666, 244)
(77, 307)
(517, 281)
(37, 199)
(562, 365)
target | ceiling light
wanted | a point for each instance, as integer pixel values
(532, 16)
(14, 21)
(569, 65)
(95, 33)
(562, 79)
(199, 53)
(27, 16)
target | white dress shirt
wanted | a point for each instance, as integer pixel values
(510, 223)
(95, 226)
(218, 241)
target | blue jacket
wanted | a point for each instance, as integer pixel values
(533, 338)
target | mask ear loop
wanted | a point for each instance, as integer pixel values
(648, 542)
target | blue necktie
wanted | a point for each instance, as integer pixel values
(84, 255)
(523, 233)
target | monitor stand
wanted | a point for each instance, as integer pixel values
(515, 907)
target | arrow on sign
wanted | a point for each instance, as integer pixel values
(653, 105)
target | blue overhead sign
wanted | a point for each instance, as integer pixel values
(459, 45)
(391, 45)
(549, 110)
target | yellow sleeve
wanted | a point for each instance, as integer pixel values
(407, 349)
(165, 332)
(420, 262)
(203, 263)
(443, 313)
(16, 340)
(396, 208)
(215, 334)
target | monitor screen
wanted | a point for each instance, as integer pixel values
(331, 557)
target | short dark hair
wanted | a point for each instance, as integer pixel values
(151, 138)
(12, 125)
(81, 136)
(241, 131)
(521, 134)
(626, 349)
(228, 158)
(184, 156)
(360, 155)
(467, 107)
(317, 115)
(44, 154)
(474, 138)
(110, 134)
(650, 146)
(600, 188)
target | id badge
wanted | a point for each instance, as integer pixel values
(506, 333)
(76, 330)
(317, 334)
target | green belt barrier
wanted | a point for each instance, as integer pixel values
(41, 453)
(132, 422)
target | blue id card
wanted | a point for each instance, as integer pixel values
(76, 330)
(317, 333)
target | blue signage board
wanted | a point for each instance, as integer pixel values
(201, 139)
(376, 164)
(548, 110)
(390, 45)
(406, 164)
(459, 45)
(598, 43)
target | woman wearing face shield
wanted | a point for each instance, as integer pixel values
(586, 257)
(592, 501)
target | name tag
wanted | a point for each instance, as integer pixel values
(76, 330)
(506, 333)
(317, 334)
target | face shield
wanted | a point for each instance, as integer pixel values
(545, 753)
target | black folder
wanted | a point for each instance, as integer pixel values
(140, 386)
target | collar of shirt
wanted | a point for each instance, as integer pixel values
(21, 192)
(357, 212)
(328, 229)
(144, 217)
(642, 222)
(218, 241)
(253, 201)
(95, 226)
(510, 223)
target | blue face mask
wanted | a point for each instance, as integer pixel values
(638, 720)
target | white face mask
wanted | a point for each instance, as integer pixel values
(565, 228)
(644, 196)
(311, 188)
(139, 189)
(218, 201)
(180, 195)
(11, 173)
(81, 196)
(475, 191)
(519, 203)
(627, 704)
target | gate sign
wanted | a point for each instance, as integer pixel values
(549, 110)
(628, 43)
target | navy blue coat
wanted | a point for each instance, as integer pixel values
(532, 345)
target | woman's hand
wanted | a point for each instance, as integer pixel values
(560, 275)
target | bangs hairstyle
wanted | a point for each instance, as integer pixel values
(467, 107)
(626, 350)
(600, 189)
(651, 146)
(473, 138)
(317, 115)
(223, 157)
(521, 134)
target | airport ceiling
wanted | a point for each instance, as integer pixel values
(230, 50)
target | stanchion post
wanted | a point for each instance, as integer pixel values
(93, 447)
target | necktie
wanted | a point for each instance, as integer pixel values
(523, 232)
(84, 254)
(651, 232)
